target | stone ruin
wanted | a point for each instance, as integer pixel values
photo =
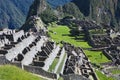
(29, 50)
(77, 63)
(35, 53)
(99, 41)
(113, 53)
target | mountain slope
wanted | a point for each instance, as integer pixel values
(101, 11)
(42, 9)
(56, 3)
(13, 13)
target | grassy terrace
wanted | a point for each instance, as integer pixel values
(95, 56)
(62, 34)
(97, 31)
(102, 76)
(61, 64)
(52, 67)
(9, 72)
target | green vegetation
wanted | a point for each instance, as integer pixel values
(70, 9)
(63, 34)
(8, 72)
(52, 67)
(97, 31)
(61, 64)
(95, 56)
(102, 76)
(48, 15)
(116, 71)
(60, 78)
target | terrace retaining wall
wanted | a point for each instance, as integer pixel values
(3, 60)
(107, 55)
(40, 71)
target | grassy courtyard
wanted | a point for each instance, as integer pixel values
(52, 67)
(9, 72)
(61, 33)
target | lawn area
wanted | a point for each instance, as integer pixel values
(63, 34)
(9, 72)
(102, 76)
(52, 67)
(95, 56)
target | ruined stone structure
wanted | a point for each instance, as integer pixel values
(31, 51)
(35, 53)
(113, 53)
(77, 63)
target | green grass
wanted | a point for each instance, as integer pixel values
(95, 56)
(115, 71)
(102, 76)
(63, 34)
(60, 78)
(9, 72)
(61, 64)
(52, 67)
(97, 31)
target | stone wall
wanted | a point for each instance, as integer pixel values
(13, 52)
(40, 71)
(63, 67)
(18, 64)
(51, 58)
(3, 60)
(28, 58)
(107, 55)
(17, 35)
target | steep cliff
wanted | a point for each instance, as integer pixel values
(56, 3)
(69, 9)
(101, 11)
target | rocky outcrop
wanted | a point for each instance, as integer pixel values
(33, 20)
(43, 10)
(37, 8)
(34, 23)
